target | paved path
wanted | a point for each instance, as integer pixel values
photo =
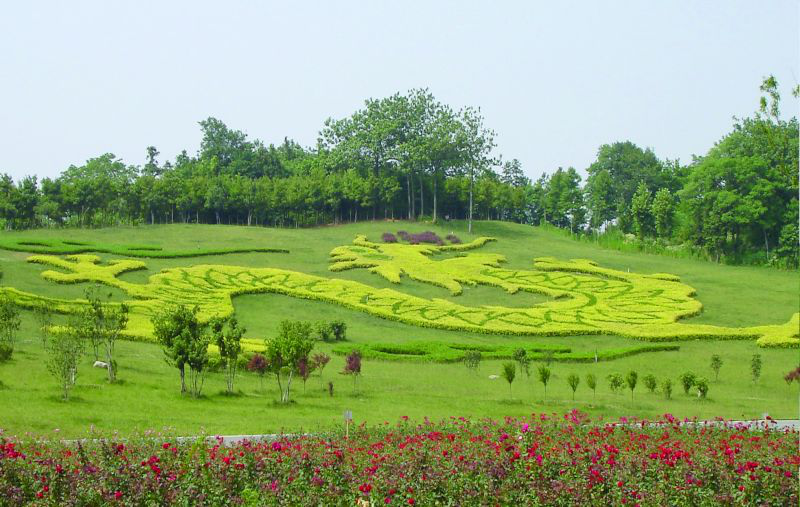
(231, 440)
(756, 425)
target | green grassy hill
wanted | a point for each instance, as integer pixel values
(148, 395)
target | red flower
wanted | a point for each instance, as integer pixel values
(411, 501)
(117, 495)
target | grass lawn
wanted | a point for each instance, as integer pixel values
(148, 395)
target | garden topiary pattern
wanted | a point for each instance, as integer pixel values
(587, 299)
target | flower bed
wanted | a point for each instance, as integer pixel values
(541, 459)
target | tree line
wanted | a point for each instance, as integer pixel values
(409, 156)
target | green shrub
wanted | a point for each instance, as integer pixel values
(649, 382)
(339, 330)
(688, 380)
(755, 367)
(472, 359)
(6, 351)
(615, 381)
(702, 387)
(666, 388)
(716, 364)
(9, 326)
(324, 331)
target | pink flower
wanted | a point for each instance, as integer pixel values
(117, 495)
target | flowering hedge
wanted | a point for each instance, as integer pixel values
(531, 461)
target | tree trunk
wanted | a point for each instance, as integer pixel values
(434, 197)
(183, 379)
(409, 192)
(421, 199)
(471, 184)
(112, 374)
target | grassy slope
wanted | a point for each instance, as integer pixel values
(148, 398)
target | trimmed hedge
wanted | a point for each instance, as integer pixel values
(67, 247)
(588, 299)
(441, 352)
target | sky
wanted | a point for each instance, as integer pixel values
(555, 80)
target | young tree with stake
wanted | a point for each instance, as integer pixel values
(544, 377)
(591, 381)
(573, 380)
(630, 379)
(716, 364)
(509, 373)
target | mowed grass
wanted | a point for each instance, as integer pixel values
(148, 395)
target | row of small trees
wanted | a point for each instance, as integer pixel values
(184, 337)
(185, 340)
(98, 324)
(616, 381)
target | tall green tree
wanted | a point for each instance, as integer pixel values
(663, 212)
(641, 212)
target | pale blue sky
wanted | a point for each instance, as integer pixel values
(554, 79)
